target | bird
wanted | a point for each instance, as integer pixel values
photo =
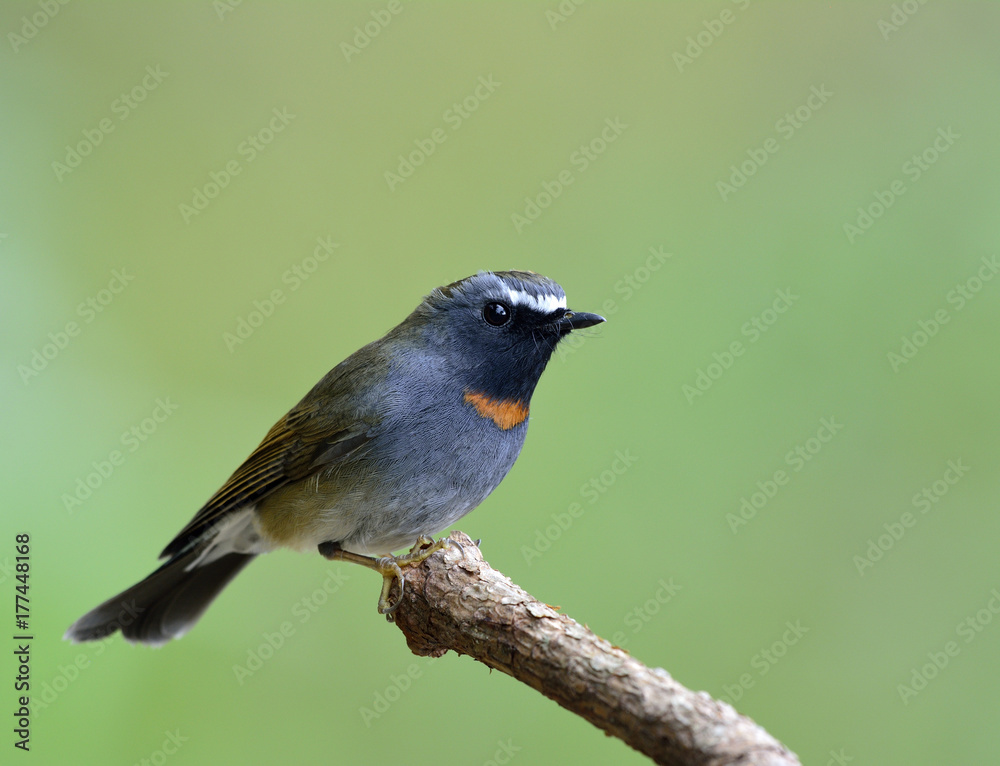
(392, 446)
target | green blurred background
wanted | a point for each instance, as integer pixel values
(825, 108)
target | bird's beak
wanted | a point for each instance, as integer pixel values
(576, 320)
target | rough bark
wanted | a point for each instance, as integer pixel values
(455, 601)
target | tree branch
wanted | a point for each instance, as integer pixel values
(455, 601)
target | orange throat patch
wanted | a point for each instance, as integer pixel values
(506, 413)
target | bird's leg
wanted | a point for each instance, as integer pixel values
(390, 567)
(384, 565)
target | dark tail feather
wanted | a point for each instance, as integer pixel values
(164, 605)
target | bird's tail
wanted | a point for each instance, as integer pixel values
(165, 604)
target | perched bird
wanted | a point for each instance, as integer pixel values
(395, 443)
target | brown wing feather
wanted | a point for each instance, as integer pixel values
(298, 445)
(332, 421)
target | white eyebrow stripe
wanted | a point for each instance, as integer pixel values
(546, 304)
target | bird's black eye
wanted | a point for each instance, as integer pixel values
(496, 314)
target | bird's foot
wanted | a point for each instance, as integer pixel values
(390, 567)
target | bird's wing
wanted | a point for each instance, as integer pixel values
(302, 442)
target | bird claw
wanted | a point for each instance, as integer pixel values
(390, 572)
(390, 567)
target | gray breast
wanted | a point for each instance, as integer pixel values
(434, 463)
